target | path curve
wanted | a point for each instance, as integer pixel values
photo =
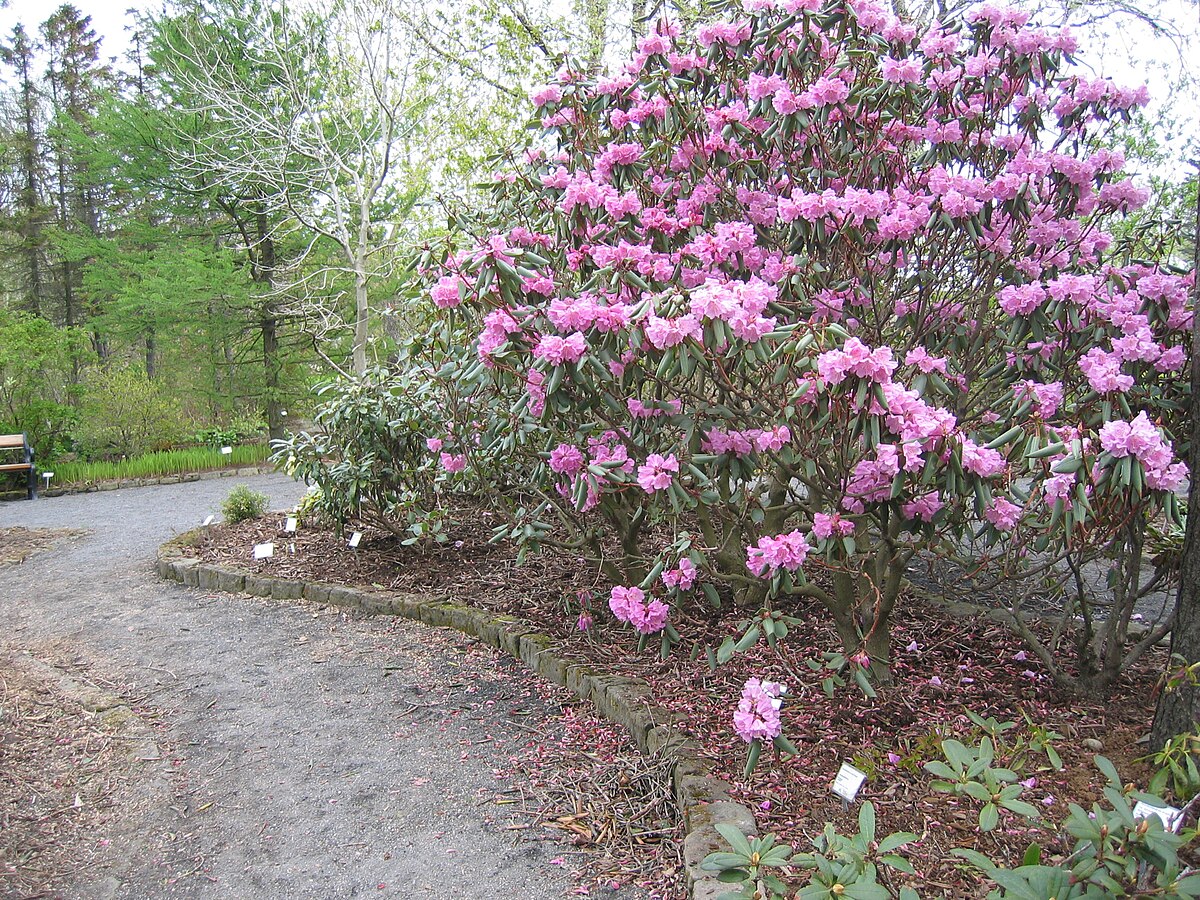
(309, 751)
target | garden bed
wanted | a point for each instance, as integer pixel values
(944, 666)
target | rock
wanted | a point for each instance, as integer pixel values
(1092, 744)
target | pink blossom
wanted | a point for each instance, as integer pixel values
(434, 445)
(982, 461)
(566, 459)
(924, 507)
(550, 93)
(448, 291)
(683, 577)
(557, 350)
(453, 462)
(1003, 514)
(1143, 441)
(629, 605)
(856, 358)
(757, 716)
(784, 551)
(663, 333)
(825, 526)
(656, 474)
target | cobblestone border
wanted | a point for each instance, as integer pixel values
(703, 800)
(237, 472)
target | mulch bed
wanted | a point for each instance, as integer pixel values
(61, 775)
(943, 667)
(19, 543)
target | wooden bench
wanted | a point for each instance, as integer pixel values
(10, 445)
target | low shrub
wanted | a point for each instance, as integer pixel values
(242, 504)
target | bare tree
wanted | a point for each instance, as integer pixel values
(333, 148)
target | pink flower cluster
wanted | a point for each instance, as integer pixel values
(1141, 440)
(629, 605)
(856, 358)
(657, 472)
(826, 526)
(558, 350)
(743, 443)
(739, 303)
(757, 715)
(784, 551)
(1003, 514)
(683, 576)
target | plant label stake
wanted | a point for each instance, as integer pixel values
(292, 549)
(47, 476)
(264, 551)
(225, 451)
(208, 521)
(1169, 815)
(847, 783)
(290, 525)
(355, 539)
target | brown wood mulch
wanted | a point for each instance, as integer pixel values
(943, 667)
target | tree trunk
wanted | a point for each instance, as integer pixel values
(360, 321)
(1178, 710)
(265, 275)
(151, 355)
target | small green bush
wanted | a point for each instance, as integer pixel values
(124, 413)
(242, 504)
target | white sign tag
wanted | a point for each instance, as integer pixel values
(290, 525)
(848, 782)
(355, 538)
(47, 475)
(264, 551)
(291, 548)
(1168, 815)
(208, 521)
(226, 450)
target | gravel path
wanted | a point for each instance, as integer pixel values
(310, 753)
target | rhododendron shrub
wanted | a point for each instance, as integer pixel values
(772, 311)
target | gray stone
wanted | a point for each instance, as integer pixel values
(316, 592)
(259, 585)
(1092, 744)
(552, 667)
(692, 790)
(286, 589)
(581, 680)
(230, 582)
(340, 596)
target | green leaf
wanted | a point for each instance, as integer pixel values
(734, 836)
(989, 817)
(866, 820)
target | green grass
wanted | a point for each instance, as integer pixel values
(154, 465)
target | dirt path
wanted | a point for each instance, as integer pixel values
(308, 753)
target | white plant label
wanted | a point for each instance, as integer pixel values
(208, 521)
(290, 525)
(848, 782)
(355, 538)
(47, 475)
(291, 548)
(264, 551)
(1169, 815)
(226, 450)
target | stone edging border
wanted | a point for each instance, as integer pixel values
(137, 736)
(703, 800)
(235, 472)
